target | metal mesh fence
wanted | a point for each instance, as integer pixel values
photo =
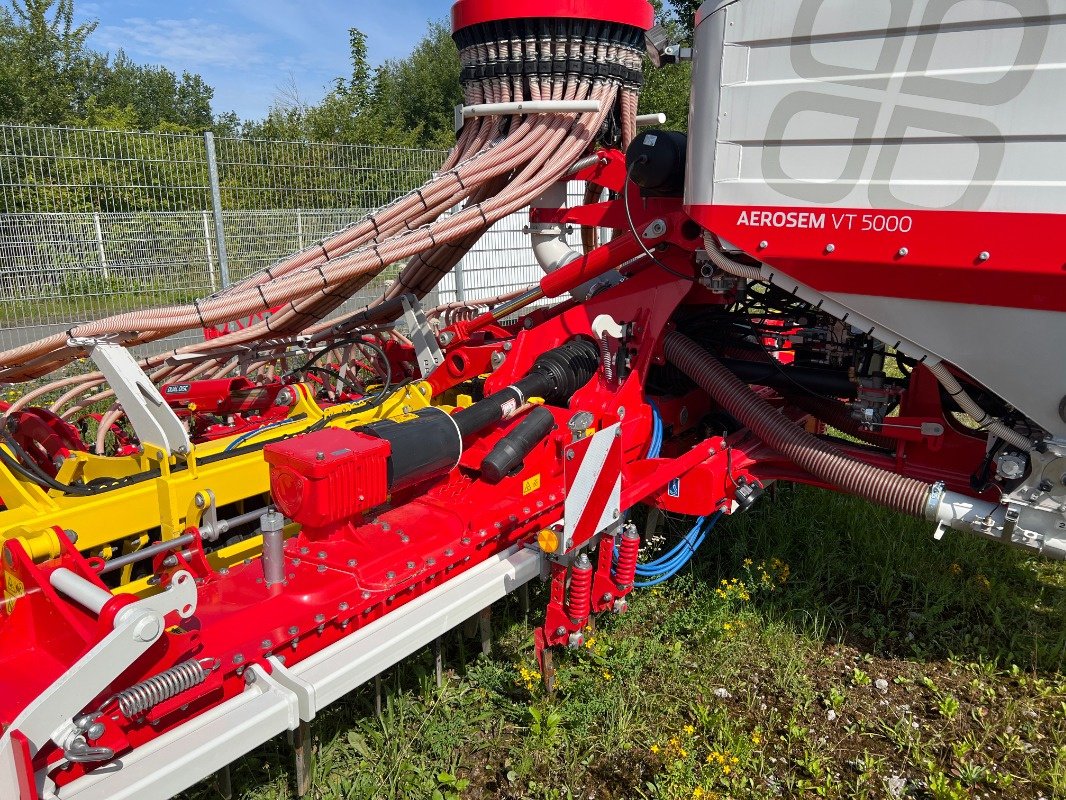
(502, 261)
(257, 174)
(96, 222)
(71, 170)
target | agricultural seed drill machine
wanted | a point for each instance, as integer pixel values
(858, 236)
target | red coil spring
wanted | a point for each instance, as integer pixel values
(579, 600)
(625, 572)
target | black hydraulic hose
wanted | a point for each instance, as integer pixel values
(555, 376)
(819, 381)
(512, 449)
(819, 458)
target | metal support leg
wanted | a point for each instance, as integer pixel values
(301, 741)
(523, 597)
(154, 421)
(224, 783)
(377, 696)
(438, 661)
(484, 619)
(544, 661)
(461, 642)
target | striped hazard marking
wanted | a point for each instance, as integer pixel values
(593, 486)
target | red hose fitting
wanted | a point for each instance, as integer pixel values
(579, 598)
(625, 573)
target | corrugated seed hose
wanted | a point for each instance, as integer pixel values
(819, 458)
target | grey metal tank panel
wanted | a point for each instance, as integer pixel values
(934, 104)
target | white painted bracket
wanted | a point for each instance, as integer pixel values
(427, 348)
(153, 420)
(136, 628)
(606, 324)
(593, 487)
(651, 120)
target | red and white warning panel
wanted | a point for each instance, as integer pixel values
(593, 475)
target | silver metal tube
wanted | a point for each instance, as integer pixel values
(216, 206)
(146, 552)
(224, 525)
(273, 525)
(532, 107)
(511, 306)
(78, 589)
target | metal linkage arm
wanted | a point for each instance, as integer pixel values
(51, 717)
(154, 421)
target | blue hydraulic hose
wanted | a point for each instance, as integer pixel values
(665, 567)
(656, 444)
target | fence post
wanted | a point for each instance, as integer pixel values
(300, 228)
(460, 286)
(100, 245)
(210, 255)
(216, 205)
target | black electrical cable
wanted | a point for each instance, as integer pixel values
(24, 464)
(375, 401)
(362, 407)
(28, 468)
(633, 226)
(332, 373)
(44, 481)
(336, 345)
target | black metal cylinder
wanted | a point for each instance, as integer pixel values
(512, 449)
(431, 443)
(656, 162)
(421, 448)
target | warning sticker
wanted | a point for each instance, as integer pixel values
(530, 485)
(13, 590)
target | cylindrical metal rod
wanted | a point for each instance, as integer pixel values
(505, 310)
(209, 533)
(273, 525)
(216, 206)
(647, 120)
(145, 553)
(532, 107)
(81, 591)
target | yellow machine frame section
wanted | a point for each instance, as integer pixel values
(123, 518)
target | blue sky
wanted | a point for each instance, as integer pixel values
(248, 49)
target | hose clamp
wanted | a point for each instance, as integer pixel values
(936, 497)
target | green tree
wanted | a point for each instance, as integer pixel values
(667, 88)
(408, 102)
(48, 75)
(155, 93)
(418, 94)
(45, 59)
(683, 13)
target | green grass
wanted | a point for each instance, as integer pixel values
(847, 654)
(89, 295)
